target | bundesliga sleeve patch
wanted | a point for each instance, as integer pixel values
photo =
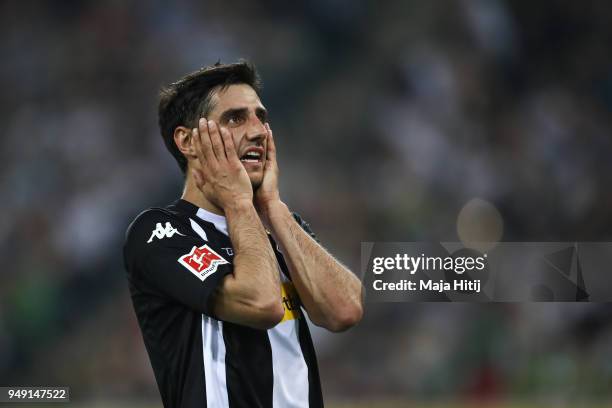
(202, 261)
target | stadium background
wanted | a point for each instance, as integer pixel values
(390, 118)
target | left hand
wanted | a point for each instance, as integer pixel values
(267, 195)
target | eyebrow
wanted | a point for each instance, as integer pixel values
(259, 111)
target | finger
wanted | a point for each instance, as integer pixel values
(271, 147)
(215, 140)
(228, 143)
(203, 144)
(197, 145)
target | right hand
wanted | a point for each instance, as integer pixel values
(221, 177)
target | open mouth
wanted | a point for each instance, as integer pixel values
(252, 156)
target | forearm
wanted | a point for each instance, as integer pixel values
(331, 294)
(251, 295)
(254, 260)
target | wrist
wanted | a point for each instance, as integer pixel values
(273, 212)
(239, 205)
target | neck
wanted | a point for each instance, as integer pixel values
(192, 193)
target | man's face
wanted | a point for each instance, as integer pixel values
(239, 109)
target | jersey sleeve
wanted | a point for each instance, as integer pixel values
(164, 255)
(305, 226)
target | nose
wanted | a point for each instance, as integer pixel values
(256, 131)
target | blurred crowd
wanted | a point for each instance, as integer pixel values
(389, 118)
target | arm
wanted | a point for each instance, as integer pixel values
(331, 294)
(250, 295)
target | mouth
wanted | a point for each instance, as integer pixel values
(252, 155)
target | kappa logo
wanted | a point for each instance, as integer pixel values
(161, 232)
(202, 261)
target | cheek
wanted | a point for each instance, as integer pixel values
(237, 137)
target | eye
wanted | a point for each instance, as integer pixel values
(262, 115)
(235, 119)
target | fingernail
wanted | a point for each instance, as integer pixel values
(211, 124)
(202, 121)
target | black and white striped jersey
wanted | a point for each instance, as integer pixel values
(175, 258)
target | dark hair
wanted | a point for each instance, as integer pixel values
(183, 102)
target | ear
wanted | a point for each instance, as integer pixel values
(184, 141)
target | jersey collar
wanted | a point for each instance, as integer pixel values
(218, 221)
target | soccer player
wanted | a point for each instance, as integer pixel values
(220, 278)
